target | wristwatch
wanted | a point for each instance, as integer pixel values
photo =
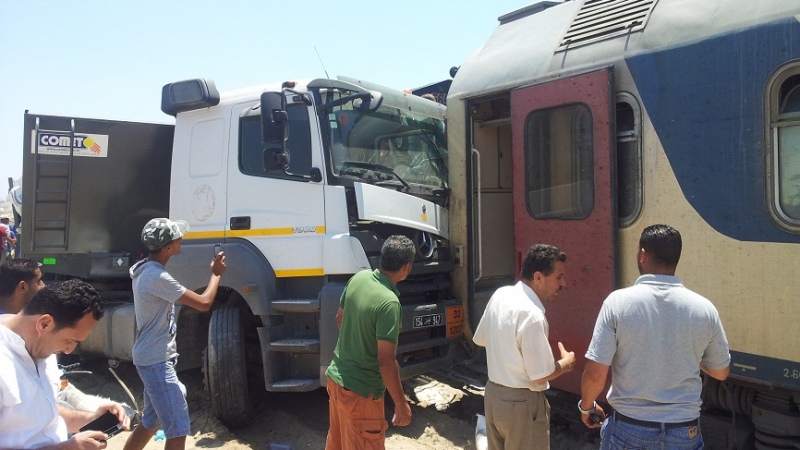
(589, 411)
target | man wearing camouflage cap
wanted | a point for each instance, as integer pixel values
(155, 292)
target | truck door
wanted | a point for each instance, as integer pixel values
(283, 215)
(564, 196)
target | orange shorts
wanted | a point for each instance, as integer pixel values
(357, 423)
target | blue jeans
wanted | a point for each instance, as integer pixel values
(164, 399)
(617, 435)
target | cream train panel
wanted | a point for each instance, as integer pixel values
(754, 285)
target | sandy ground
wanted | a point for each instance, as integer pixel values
(444, 407)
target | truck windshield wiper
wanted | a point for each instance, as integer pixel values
(372, 168)
(438, 150)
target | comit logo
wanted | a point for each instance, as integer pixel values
(60, 140)
(82, 144)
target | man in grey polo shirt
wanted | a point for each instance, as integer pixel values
(657, 336)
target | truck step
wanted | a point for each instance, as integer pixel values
(296, 305)
(295, 345)
(294, 385)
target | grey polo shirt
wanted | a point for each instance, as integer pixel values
(654, 335)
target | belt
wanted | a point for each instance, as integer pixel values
(656, 425)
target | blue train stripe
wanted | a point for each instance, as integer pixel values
(705, 101)
(773, 371)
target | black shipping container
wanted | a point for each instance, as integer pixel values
(83, 215)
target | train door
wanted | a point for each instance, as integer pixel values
(563, 160)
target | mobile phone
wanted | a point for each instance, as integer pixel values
(217, 249)
(594, 418)
(107, 423)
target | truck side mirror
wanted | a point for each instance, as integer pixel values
(369, 103)
(315, 175)
(274, 159)
(274, 120)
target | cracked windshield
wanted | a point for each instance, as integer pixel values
(388, 146)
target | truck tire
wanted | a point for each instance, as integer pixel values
(226, 368)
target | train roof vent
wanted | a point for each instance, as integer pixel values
(604, 19)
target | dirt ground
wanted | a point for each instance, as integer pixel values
(444, 407)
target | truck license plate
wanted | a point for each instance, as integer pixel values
(428, 320)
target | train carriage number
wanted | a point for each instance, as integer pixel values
(791, 373)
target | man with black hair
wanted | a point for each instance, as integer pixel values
(56, 320)
(364, 362)
(155, 352)
(657, 336)
(20, 279)
(514, 331)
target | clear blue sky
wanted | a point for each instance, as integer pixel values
(109, 59)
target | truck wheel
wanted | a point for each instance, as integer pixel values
(226, 368)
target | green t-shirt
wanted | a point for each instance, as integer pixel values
(371, 313)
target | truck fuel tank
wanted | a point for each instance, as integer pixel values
(114, 334)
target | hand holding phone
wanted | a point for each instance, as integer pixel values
(218, 264)
(89, 440)
(108, 423)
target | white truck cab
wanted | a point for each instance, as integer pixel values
(299, 183)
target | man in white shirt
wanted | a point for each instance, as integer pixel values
(20, 280)
(514, 331)
(56, 319)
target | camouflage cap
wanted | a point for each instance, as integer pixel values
(161, 231)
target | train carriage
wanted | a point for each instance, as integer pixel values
(579, 123)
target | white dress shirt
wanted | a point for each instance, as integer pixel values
(514, 331)
(28, 414)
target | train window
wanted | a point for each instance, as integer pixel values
(559, 162)
(784, 136)
(629, 159)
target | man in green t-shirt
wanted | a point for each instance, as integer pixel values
(364, 363)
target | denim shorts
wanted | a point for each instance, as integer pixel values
(617, 435)
(164, 399)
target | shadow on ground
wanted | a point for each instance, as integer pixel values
(444, 408)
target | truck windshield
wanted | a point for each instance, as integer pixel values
(388, 146)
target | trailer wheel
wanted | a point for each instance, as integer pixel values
(226, 368)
